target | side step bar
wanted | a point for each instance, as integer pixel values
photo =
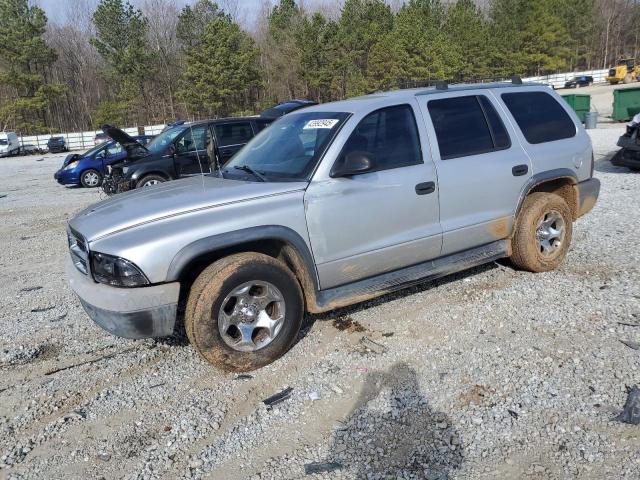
(398, 279)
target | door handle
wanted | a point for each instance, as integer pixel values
(425, 188)
(520, 170)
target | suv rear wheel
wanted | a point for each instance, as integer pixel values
(244, 312)
(543, 233)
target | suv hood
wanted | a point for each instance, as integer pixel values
(144, 205)
(130, 144)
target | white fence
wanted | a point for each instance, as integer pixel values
(558, 80)
(83, 140)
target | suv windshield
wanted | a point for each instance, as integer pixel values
(290, 148)
(159, 143)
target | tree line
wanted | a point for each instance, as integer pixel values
(114, 63)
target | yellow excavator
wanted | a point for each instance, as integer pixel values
(626, 71)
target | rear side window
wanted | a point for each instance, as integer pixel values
(467, 126)
(389, 136)
(540, 117)
(233, 133)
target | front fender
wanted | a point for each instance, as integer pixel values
(231, 239)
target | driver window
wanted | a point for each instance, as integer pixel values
(193, 139)
(389, 137)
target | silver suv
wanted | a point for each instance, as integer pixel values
(333, 205)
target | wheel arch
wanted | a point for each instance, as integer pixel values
(562, 182)
(275, 241)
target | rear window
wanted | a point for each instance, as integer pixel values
(467, 126)
(540, 117)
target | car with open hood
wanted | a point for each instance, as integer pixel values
(88, 169)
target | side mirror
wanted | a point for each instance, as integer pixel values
(171, 149)
(354, 163)
(102, 154)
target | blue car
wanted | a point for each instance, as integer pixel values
(88, 169)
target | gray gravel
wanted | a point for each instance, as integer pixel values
(493, 373)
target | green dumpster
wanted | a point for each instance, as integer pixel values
(626, 103)
(581, 104)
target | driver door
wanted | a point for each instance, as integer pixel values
(191, 156)
(381, 220)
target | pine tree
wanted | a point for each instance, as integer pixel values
(221, 74)
(24, 60)
(468, 33)
(316, 40)
(193, 21)
(362, 24)
(417, 49)
(121, 41)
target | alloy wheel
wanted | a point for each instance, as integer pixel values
(251, 316)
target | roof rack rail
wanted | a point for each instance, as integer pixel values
(516, 80)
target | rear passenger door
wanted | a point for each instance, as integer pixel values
(481, 167)
(231, 137)
(550, 131)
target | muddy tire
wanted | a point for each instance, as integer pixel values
(244, 312)
(149, 180)
(91, 178)
(542, 234)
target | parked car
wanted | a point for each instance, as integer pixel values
(629, 143)
(334, 205)
(100, 137)
(57, 145)
(180, 151)
(9, 144)
(88, 169)
(583, 81)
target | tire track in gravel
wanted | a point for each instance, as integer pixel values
(248, 395)
(35, 431)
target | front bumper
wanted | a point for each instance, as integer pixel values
(127, 312)
(588, 192)
(67, 177)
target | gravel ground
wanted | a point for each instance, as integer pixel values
(493, 373)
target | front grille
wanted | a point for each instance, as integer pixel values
(79, 251)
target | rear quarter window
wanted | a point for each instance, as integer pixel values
(540, 117)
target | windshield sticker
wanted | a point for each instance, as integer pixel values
(320, 123)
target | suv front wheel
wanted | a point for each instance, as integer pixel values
(543, 233)
(244, 311)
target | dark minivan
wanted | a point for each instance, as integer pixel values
(181, 151)
(186, 149)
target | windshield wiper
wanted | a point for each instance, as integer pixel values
(248, 169)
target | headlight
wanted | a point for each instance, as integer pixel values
(71, 165)
(116, 271)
